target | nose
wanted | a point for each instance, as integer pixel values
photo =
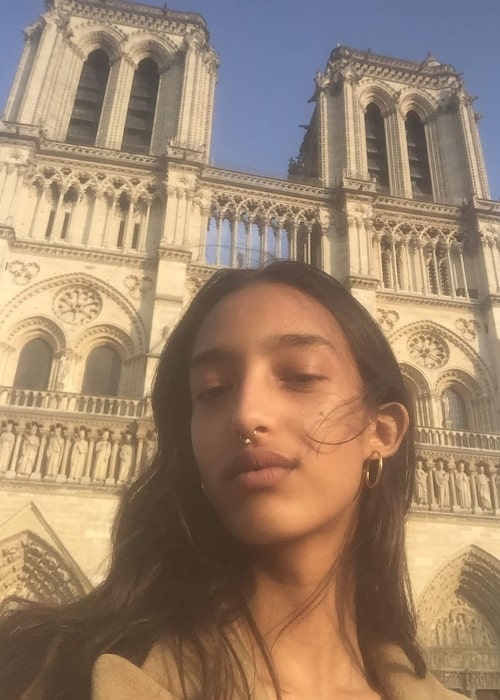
(254, 410)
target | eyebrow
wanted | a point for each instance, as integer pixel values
(274, 342)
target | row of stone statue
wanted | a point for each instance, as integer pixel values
(457, 486)
(76, 456)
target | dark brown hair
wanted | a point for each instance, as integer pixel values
(176, 572)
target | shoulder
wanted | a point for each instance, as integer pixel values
(115, 677)
(399, 681)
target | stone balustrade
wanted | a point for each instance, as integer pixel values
(461, 439)
(74, 403)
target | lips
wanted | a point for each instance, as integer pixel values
(258, 459)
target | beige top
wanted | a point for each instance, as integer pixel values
(115, 678)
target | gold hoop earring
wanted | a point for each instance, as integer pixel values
(380, 466)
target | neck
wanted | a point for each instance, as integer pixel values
(297, 594)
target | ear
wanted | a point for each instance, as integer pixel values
(388, 430)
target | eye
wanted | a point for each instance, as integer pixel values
(302, 379)
(211, 393)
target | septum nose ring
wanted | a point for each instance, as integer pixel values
(245, 439)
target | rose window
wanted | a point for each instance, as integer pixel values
(77, 305)
(427, 350)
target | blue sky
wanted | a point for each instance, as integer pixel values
(270, 51)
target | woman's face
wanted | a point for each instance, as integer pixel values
(271, 363)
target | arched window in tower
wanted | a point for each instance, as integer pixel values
(141, 108)
(376, 149)
(87, 108)
(102, 372)
(454, 412)
(34, 366)
(418, 158)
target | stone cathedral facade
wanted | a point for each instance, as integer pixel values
(111, 217)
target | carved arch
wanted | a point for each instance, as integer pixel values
(142, 45)
(472, 574)
(483, 374)
(90, 37)
(422, 104)
(99, 285)
(33, 569)
(457, 378)
(36, 327)
(383, 97)
(110, 334)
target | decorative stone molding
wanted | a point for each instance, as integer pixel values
(77, 305)
(23, 272)
(387, 318)
(428, 350)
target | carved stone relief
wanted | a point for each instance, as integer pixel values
(467, 328)
(77, 305)
(23, 272)
(137, 286)
(387, 318)
(427, 350)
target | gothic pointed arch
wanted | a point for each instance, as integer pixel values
(34, 563)
(418, 156)
(376, 146)
(141, 110)
(89, 99)
(459, 620)
(142, 45)
(420, 103)
(95, 35)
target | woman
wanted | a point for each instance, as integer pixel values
(261, 555)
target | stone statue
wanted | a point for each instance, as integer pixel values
(7, 442)
(420, 484)
(483, 489)
(441, 479)
(55, 450)
(462, 487)
(125, 458)
(445, 403)
(102, 455)
(149, 448)
(29, 449)
(79, 455)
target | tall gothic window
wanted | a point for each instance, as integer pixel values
(418, 157)
(141, 108)
(454, 413)
(102, 372)
(376, 149)
(87, 109)
(34, 366)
